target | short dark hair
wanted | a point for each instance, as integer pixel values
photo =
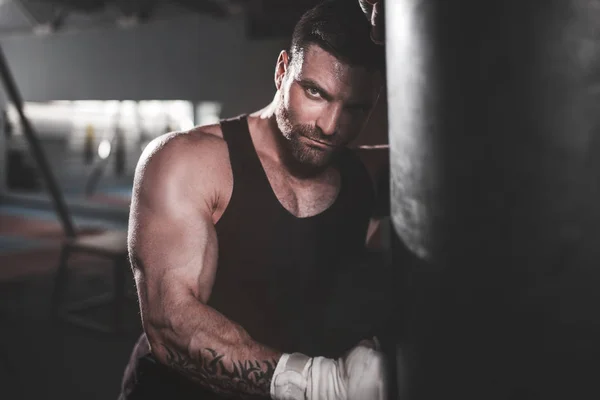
(340, 28)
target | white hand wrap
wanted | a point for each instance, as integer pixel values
(363, 370)
(291, 377)
(357, 376)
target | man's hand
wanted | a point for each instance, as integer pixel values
(374, 11)
(358, 375)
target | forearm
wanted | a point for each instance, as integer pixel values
(215, 352)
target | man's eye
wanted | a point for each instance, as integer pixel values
(313, 92)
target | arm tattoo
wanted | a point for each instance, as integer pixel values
(244, 379)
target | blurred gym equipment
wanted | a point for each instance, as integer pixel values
(99, 169)
(89, 145)
(112, 244)
(37, 151)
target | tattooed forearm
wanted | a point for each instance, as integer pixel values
(242, 379)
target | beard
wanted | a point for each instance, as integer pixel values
(307, 155)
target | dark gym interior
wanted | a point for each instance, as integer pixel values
(486, 267)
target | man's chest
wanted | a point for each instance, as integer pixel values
(303, 198)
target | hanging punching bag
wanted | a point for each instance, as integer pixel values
(494, 114)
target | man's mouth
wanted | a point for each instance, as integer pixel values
(318, 143)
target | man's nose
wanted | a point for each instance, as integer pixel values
(330, 120)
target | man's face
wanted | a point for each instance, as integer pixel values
(323, 103)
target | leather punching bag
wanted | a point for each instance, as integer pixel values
(494, 114)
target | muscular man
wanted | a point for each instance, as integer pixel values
(237, 232)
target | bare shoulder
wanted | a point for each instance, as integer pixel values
(190, 165)
(194, 150)
(213, 130)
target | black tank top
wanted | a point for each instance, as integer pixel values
(275, 271)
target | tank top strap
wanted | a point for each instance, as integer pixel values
(245, 165)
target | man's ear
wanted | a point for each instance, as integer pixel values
(281, 68)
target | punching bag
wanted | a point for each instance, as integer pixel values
(494, 115)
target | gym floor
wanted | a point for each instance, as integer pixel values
(39, 355)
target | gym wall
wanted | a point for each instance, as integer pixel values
(193, 58)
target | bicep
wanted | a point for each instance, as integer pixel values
(173, 252)
(172, 241)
